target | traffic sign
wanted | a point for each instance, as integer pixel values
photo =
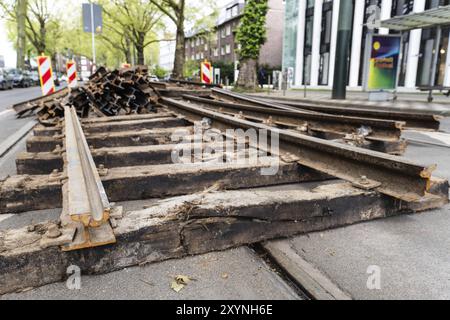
(46, 75)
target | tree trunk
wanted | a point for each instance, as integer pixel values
(140, 49)
(21, 35)
(178, 68)
(127, 50)
(179, 54)
(247, 74)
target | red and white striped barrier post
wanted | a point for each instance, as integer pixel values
(72, 79)
(46, 75)
(206, 72)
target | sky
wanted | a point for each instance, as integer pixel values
(7, 48)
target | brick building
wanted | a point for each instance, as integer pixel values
(220, 45)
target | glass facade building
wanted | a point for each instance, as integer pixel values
(310, 35)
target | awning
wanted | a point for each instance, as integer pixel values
(422, 20)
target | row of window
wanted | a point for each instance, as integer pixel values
(223, 51)
(399, 7)
(225, 32)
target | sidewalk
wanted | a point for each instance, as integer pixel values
(405, 101)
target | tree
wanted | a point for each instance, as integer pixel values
(21, 13)
(40, 25)
(137, 21)
(251, 35)
(175, 11)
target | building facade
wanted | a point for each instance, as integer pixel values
(220, 45)
(310, 35)
(167, 54)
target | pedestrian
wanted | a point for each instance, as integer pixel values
(261, 77)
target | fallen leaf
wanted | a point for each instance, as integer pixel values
(225, 276)
(179, 282)
(176, 286)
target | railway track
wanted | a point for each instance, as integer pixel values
(412, 119)
(219, 186)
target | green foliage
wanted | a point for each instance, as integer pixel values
(226, 71)
(159, 72)
(191, 69)
(251, 33)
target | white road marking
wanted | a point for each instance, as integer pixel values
(443, 137)
(5, 216)
(5, 112)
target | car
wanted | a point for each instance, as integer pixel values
(154, 78)
(21, 78)
(6, 81)
(35, 78)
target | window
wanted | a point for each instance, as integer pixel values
(206, 47)
(228, 49)
(216, 52)
(202, 41)
(234, 11)
(325, 43)
(202, 56)
(187, 44)
(228, 13)
(197, 56)
(192, 43)
(192, 57)
(222, 51)
(223, 33)
(228, 30)
(197, 42)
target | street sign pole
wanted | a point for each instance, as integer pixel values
(93, 34)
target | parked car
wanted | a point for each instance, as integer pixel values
(154, 78)
(21, 78)
(6, 81)
(35, 78)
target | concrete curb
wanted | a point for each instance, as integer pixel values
(16, 137)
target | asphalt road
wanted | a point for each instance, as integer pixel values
(8, 122)
(411, 251)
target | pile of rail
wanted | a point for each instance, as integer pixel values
(107, 93)
(218, 170)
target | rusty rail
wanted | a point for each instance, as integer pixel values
(87, 202)
(413, 119)
(22, 108)
(380, 130)
(194, 83)
(390, 175)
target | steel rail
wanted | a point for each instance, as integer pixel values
(413, 119)
(381, 130)
(194, 83)
(24, 106)
(390, 175)
(87, 199)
